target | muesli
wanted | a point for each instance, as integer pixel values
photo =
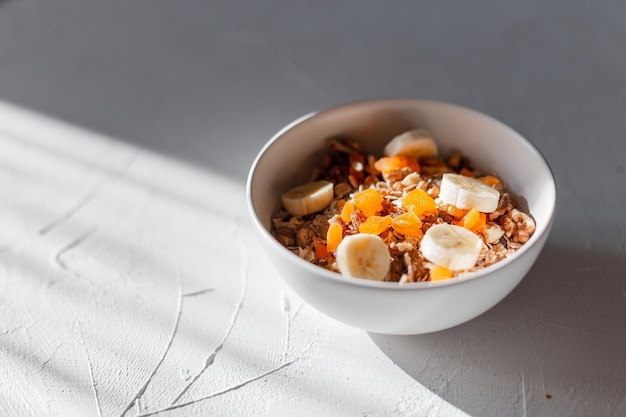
(410, 215)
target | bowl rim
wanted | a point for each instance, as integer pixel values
(323, 273)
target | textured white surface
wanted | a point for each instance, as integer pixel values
(131, 285)
(210, 82)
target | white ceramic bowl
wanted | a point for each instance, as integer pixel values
(385, 307)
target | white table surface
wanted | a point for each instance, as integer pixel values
(131, 284)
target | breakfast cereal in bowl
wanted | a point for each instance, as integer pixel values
(408, 215)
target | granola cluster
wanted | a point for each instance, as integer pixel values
(346, 165)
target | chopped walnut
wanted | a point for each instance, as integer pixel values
(505, 205)
(509, 226)
(411, 179)
(342, 189)
(304, 237)
(525, 226)
(492, 232)
(285, 235)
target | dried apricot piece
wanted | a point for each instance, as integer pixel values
(334, 236)
(346, 212)
(419, 202)
(466, 172)
(454, 211)
(384, 164)
(407, 224)
(387, 164)
(490, 180)
(440, 273)
(375, 225)
(411, 163)
(321, 251)
(473, 220)
(369, 202)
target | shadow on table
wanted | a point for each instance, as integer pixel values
(555, 346)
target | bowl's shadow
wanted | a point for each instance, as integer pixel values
(555, 346)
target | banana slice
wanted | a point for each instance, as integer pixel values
(417, 143)
(453, 247)
(363, 256)
(467, 193)
(308, 198)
